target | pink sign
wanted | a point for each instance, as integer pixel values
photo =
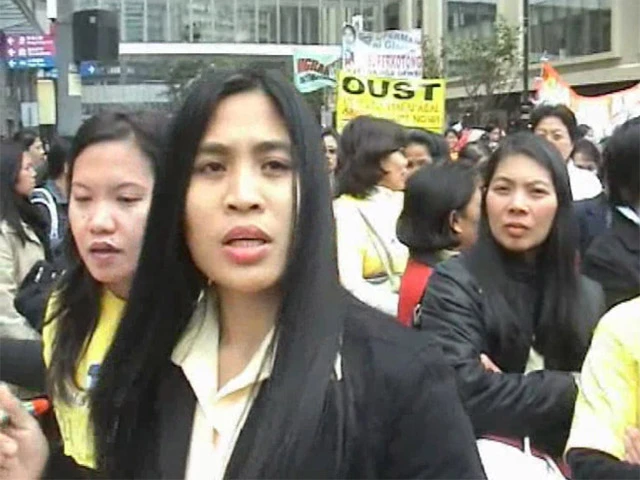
(27, 46)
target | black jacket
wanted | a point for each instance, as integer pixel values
(406, 419)
(613, 260)
(539, 404)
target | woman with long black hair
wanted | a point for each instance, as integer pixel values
(513, 315)
(239, 354)
(23, 240)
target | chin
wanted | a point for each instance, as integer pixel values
(247, 284)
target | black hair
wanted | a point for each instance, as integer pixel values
(622, 164)
(14, 208)
(168, 284)
(26, 138)
(491, 126)
(78, 293)
(475, 152)
(58, 157)
(451, 130)
(431, 194)
(586, 147)
(562, 113)
(583, 130)
(555, 264)
(435, 143)
(349, 27)
(330, 132)
(364, 143)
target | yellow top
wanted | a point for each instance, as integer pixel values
(610, 383)
(360, 252)
(73, 418)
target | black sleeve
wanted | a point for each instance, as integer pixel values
(432, 436)
(22, 364)
(510, 404)
(589, 464)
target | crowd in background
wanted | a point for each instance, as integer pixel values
(426, 301)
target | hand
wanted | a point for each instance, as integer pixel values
(23, 446)
(632, 446)
(488, 364)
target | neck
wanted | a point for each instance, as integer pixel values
(246, 319)
(120, 289)
(61, 183)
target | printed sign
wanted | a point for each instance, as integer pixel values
(602, 112)
(30, 51)
(409, 102)
(394, 53)
(313, 71)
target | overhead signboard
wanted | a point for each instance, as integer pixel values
(29, 51)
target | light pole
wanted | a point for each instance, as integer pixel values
(525, 52)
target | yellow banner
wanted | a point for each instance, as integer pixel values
(409, 102)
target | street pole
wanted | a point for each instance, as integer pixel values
(525, 52)
(69, 103)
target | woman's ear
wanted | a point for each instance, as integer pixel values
(454, 222)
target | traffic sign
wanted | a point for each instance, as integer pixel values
(29, 51)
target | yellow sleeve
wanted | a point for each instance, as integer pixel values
(607, 402)
(48, 330)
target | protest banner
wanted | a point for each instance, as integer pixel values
(393, 54)
(313, 71)
(602, 112)
(409, 102)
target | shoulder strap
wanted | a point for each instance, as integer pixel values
(49, 202)
(381, 250)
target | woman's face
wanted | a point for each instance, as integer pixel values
(239, 205)
(417, 156)
(395, 168)
(111, 190)
(26, 181)
(495, 135)
(556, 132)
(36, 151)
(452, 141)
(330, 151)
(521, 203)
(465, 222)
(586, 162)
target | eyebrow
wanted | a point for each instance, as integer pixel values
(529, 182)
(215, 148)
(119, 186)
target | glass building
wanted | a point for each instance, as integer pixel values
(303, 22)
(569, 28)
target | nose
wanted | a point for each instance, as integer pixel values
(244, 192)
(101, 219)
(518, 202)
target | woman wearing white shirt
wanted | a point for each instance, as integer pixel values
(370, 184)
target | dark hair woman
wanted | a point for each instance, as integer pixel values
(240, 355)
(330, 140)
(113, 162)
(475, 152)
(452, 136)
(33, 146)
(558, 125)
(613, 258)
(23, 240)
(52, 198)
(513, 315)
(424, 148)
(370, 183)
(439, 218)
(587, 156)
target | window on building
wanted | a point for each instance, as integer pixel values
(569, 28)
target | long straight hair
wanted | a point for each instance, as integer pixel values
(556, 336)
(77, 305)
(168, 283)
(14, 208)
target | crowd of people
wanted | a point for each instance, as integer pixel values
(208, 295)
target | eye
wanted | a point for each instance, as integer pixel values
(539, 192)
(209, 168)
(500, 189)
(276, 166)
(128, 199)
(81, 198)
